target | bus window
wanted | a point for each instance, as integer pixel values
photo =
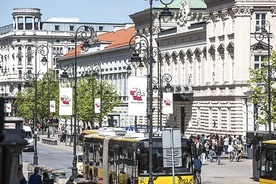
(144, 165)
(268, 164)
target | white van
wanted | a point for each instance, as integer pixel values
(28, 135)
(80, 164)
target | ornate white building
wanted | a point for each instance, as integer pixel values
(207, 48)
(28, 32)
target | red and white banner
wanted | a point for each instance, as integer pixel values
(52, 106)
(137, 96)
(97, 105)
(7, 107)
(65, 101)
(167, 103)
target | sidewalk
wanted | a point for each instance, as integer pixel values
(28, 169)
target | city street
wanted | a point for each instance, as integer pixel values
(228, 172)
(60, 157)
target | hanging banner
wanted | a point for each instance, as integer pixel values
(65, 101)
(52, 106)
(167, 103)
(97, 105)
(137, 96)
(7, 107)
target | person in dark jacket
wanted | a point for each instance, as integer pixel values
(197, 165)
(35, 178)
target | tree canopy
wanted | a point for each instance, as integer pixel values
(258, 87)
(88, 89)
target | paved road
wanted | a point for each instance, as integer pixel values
(228, 172)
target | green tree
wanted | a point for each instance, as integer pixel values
(88, 89)
(258, 86)
(48, 89)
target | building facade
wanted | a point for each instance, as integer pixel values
(207, 48)
(19, 42)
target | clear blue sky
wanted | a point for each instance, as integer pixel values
(86, 10)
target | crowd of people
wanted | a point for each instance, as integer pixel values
(36, 178)
(210, 147)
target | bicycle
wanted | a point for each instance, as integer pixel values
(197, 177)
(233, 155)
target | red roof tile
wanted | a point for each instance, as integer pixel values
(117, 39)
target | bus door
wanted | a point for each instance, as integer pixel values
(268, 162)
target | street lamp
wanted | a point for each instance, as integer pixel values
(28, 76)
(135, 64)
(166, 14)
(162, 79)
(87, 36)
(261, 34)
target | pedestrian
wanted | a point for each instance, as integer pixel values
(35, 178)
(197, 165)
(70, 180)
(219, 149)
(46, 179)
(21, 178)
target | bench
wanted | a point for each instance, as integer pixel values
(49, 141)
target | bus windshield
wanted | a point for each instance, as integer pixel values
(157, 159)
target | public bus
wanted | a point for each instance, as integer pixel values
(267, 156)
(123, 159)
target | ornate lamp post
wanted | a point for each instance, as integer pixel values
(42, 50)
(87, 35)
(148, 44)
(261, 34)
(162, 78)
(135, 65)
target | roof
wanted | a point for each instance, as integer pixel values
(117, 39)
(194, 4)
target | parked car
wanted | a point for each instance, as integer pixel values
(80, 164)
(29, 136)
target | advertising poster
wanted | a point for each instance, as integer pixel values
(167, 103)
(97, 105)
(137, 96)
(65, 101)
(52, 106)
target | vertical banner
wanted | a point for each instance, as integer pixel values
(167, 103)
(97, 105)
(137, 96)
(65, 101)
(52, 106)
(7, 107)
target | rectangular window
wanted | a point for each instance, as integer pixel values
(56, 27)
(223, 26)
(19, 87)
(258, 60)
(20, 61)
(29, 61)
(260, 21)
(71, 28)
(29, 40)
